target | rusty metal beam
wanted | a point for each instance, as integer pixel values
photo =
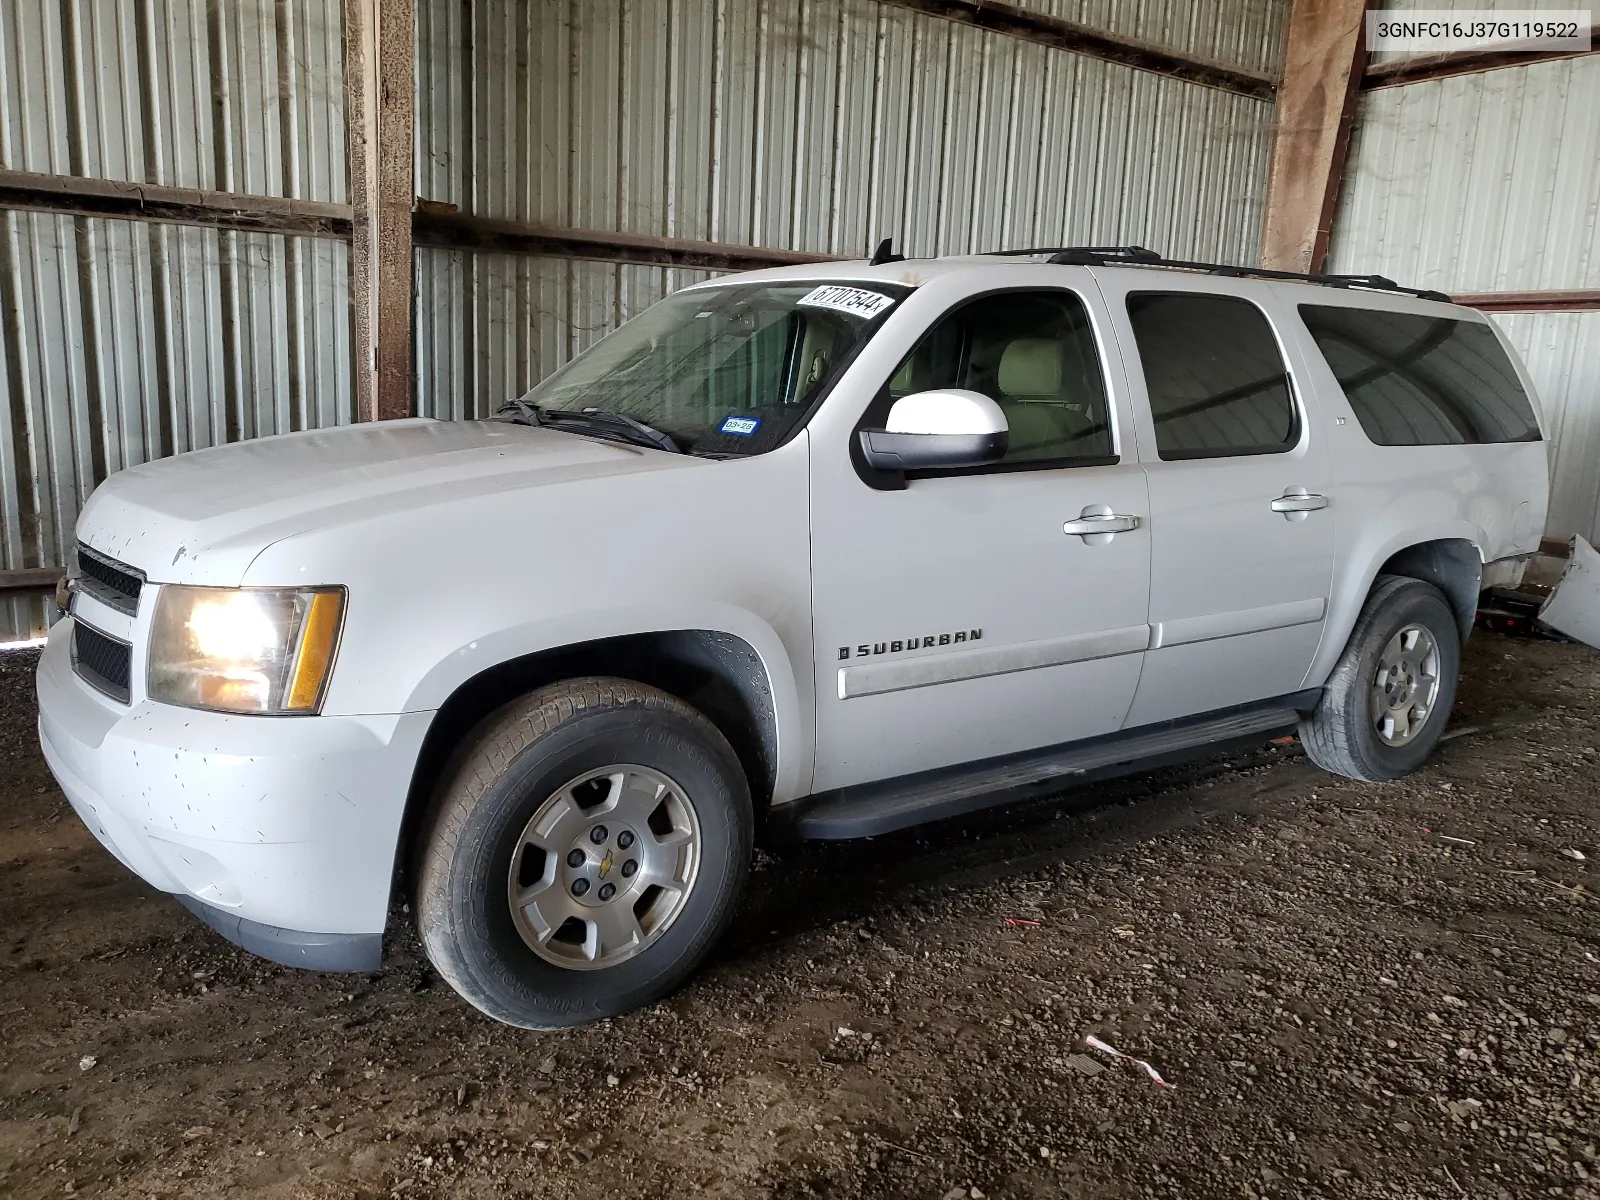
(380, 50)
(1325, 46)
(1583, 300)
(1424, 67)
(458, 231)
(81, 197)
(1029, 26)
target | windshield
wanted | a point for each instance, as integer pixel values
(722, 370)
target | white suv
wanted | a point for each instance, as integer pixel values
(848, 547)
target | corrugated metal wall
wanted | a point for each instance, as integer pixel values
(1486, 183)
(1248, 36)
(803, 124)
(122, 341)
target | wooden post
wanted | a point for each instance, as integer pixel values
(1322, 65)
(379, 52)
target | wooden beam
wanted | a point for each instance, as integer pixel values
(31, 579)
(1030, 26)
(458, 231)
(1551, 301)
(380, 50)
(1423, 67)
(82, 197)
(1325, 46)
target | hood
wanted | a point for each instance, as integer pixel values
(202, 517)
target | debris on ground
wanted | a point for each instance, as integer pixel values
(1097, 1044)
(1574, 605)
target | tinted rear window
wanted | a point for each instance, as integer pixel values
(1216, 381)
(1423, 381)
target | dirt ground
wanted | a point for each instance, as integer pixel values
(1357, 991)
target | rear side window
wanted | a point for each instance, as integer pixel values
(1423, 381)
(1217, 383)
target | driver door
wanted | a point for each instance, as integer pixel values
(955, 618)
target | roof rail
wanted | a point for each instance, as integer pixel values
(1138, 256)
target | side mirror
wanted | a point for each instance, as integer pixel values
(943, 428)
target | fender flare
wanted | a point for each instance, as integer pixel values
(1352, 592)
(794, 741)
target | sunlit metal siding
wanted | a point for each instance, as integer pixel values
(1478, 183)
(1237, 33)
(242, 96)
(1562, 353)
(122, 341)
(804, 124)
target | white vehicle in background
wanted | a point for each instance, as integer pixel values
(848, 546)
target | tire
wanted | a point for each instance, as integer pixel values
(532, 757)
(1343, 734)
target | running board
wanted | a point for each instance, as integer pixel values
(869, 809)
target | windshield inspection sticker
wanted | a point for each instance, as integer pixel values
(858, 302)
(742, 426)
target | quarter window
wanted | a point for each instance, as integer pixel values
(1034, 354)
(1423, 381)
(1217, 383)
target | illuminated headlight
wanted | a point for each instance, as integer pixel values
(246, 650)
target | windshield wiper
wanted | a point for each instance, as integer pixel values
(618, 424)
(613, 424)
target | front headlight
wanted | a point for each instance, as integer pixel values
(246, 650)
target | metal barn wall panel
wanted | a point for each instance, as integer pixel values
(1236, 33)
(1478, 183)
(236, 96)
(122, 341)
(818, 125)
(1562, 353)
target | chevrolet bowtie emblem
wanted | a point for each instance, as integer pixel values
(605, 865)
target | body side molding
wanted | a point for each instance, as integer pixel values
(870, 679)
(1231, 624)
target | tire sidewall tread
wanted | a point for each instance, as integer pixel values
(491, 787)
(1339, 736)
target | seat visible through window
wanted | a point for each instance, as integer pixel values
(1034, 354)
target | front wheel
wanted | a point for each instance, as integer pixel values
(587, 846)
(1387, 701)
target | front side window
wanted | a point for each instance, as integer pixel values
(1423, 381)
(1217, 383)
(722, 370)
(1034, 354)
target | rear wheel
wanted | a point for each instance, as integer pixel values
(1387, 701)
(586, 848)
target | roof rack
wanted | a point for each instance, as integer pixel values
(1139, 256)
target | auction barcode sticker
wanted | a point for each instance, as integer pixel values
(1442, 29)
(858, 302)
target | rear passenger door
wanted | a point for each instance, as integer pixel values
(1241, 494)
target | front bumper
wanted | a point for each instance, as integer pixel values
(279, 832)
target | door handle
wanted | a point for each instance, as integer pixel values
(1105, 522)
(1298, 500)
